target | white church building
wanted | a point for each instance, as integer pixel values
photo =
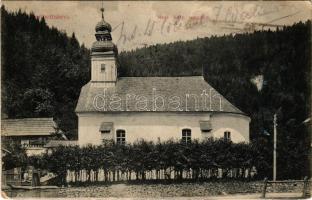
(126, 109)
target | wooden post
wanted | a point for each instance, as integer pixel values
(305, 187)
(265, 182)
(274, 148)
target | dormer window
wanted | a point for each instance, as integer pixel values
(205, 126)
(102, 68)
(105, 132)
(106, 127)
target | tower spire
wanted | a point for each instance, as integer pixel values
(103, 36)
(102, 10)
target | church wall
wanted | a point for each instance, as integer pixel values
(157, 125)
(238, 125)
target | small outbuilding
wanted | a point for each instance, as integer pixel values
(31, 133)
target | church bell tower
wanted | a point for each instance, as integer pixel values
(103, 56)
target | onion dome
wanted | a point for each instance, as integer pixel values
(102, 26)
(103, 36)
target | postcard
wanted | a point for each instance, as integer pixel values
(156, 99)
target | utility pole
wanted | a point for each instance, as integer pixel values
(274, 148)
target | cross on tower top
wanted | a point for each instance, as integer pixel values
(102, 10)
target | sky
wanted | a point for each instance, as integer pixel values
(142, 23)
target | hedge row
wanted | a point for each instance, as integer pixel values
(202, 160)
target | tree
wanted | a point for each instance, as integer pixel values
(16, 157)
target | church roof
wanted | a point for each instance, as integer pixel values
(168, 94)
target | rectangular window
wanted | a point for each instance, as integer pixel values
(102, 68)
(227, 135)
(38, 142)
(121, 137)
(186, 136)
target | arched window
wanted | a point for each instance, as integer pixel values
(186, 136)
(121, 136)
(227, 135)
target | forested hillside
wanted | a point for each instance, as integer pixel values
(43, 71)
(230, 62)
